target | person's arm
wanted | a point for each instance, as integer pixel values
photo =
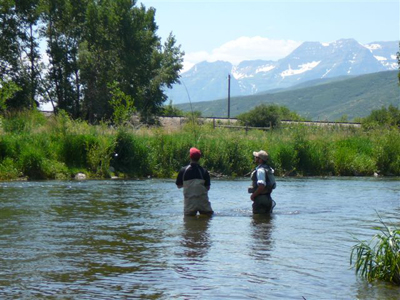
(179, 180)
(207, 180)
(257, 191)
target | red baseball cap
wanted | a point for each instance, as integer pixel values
(195, 153)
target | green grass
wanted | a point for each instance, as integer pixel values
(378, 259)
(58, 148)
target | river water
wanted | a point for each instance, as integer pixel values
(129, 240)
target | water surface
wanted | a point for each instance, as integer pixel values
(129, 240)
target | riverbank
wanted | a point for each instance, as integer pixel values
(35, 147)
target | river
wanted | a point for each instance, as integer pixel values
(120, 239)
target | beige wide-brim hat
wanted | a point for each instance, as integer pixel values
(261, 154)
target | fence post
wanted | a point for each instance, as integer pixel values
(213, 122)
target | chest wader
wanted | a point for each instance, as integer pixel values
(195, 196)
(263, 203)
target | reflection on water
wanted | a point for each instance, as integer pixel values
(195, 237)
(262, 226)
(130, 240)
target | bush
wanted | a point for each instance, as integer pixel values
(33, 163)
(131, 155)
(9, 169)
(75, 148)
(99, 156)
(382, 117)
(267, 115)
(261, 116)
(379, 258)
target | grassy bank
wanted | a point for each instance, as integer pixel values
(35, 147)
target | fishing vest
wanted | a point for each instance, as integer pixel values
(270, 183)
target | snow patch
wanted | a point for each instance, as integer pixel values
(380, 58)
(303, 68)
(238, 75)
(372, 47)
(325, 44)
(265, 68)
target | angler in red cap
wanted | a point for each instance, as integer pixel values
(196, 182)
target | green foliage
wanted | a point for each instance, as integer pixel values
(382, 117)
(122, 105)
(285, 158)
(354, 156)
(131, 155)
(267, 115)
(386, 150)
(262, 116)
(378, 259)
(23, 121)
(100, 155)
(7, 91)
(58, 147)
(75, 149)
(32, 162)
(171, 111)
(120, 44)
(90, 44)
(9, 170)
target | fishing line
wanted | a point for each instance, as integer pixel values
(191, 108)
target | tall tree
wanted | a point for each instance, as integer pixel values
(19, 55)
(64, 21)
(121, 46)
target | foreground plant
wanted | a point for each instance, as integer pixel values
(379, 259)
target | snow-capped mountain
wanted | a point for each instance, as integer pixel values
(311, 60)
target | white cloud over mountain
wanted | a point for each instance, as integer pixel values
(243, 48)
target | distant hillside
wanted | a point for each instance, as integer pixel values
(354, 97)
(207, 81)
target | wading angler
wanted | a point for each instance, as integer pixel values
(263, 182)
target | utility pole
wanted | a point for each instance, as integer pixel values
(229, 97)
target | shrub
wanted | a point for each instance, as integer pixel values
(379, 258)
(385, 116)
(75, 148)
(33, 163)
(387, 151)
(131, 155)
(99, 156)
(9, 169)
(261, 116)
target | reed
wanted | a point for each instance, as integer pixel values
(57, 147)
(378, 259)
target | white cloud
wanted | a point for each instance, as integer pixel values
(244, 48)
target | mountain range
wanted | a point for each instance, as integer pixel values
(310, 61)
(326, 99)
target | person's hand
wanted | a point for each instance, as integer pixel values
(252, 197)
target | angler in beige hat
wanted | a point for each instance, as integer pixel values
(263, 182)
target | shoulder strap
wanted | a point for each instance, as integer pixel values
(184, 173)
(198, 168)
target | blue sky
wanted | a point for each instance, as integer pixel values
(238, 30)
